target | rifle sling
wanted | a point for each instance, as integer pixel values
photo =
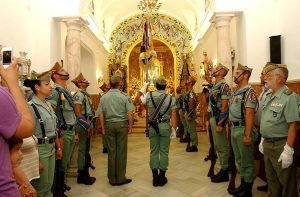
(157, 108)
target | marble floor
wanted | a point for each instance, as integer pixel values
(187, 174)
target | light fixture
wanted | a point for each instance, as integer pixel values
(149, 6)
(99, 77)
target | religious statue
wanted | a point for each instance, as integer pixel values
(207, 65)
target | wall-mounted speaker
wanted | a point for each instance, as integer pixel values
(275, 49)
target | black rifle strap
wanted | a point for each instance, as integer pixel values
(167, 107)
(36, 111)
(157, 109)
(161, 115)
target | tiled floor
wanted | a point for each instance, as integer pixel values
(187, 174)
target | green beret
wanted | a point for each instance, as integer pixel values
(245, 68)
(45, 76)
(161, 80)
(272, 66)
(115, 79)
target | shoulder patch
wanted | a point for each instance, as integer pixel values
(250, 95)
(288, 92)
(225, 90)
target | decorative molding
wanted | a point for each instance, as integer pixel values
(166, 28)
(76, 23)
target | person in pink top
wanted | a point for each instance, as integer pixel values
(16, 120)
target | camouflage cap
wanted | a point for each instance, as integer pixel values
(115, 78)
(45, 76)
(80, 79)
(245, 68)
(161, 80)
(56, 68)
(272, 66)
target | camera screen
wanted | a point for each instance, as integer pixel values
(6, 57)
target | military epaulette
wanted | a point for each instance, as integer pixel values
(288, 92)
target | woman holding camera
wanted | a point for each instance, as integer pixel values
(45, 130)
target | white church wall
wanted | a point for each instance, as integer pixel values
(259, 20)
(25, 28)
(208, 43)
(29, 26)
(93, 60)
(33, 26)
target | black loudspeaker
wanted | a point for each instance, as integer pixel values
(275, 49)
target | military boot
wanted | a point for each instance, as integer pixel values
(247, 192)
(240, 189)
(105, 150)
(85, 178)
(184, 140)
(218, 174)
(223, 177)
(162, 179)
(192, 149)
(66, 187)
(155, 177)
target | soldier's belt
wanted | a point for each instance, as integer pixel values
(274, 139)
(238, 124)
(68, 127)
(46, 140)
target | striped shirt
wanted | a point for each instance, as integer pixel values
(30, 161)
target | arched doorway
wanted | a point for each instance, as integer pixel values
(136, 78)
